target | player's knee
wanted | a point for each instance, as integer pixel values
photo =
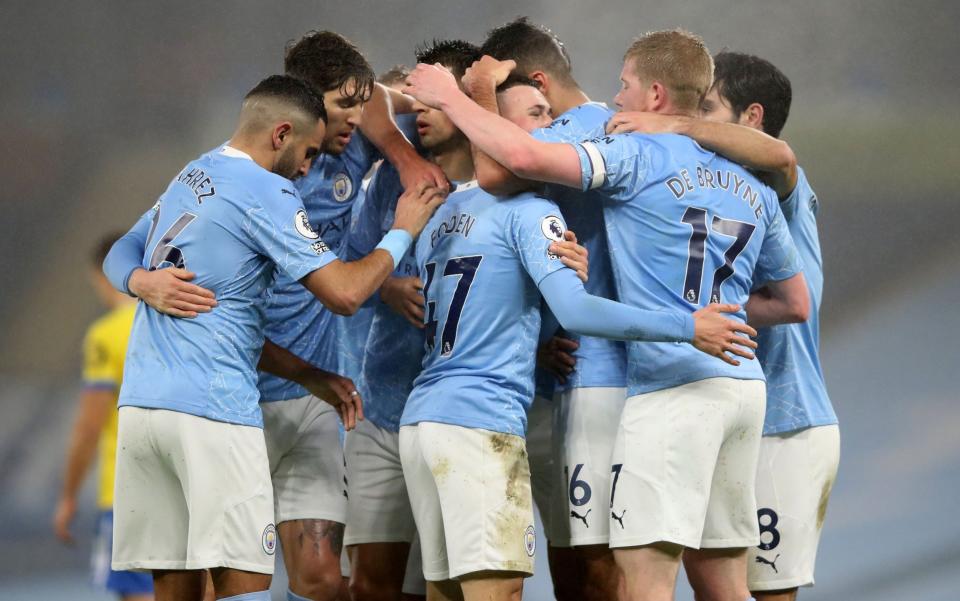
(318, 581)
(367, 589)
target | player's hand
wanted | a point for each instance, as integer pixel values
(555, 356)
(337, 391)
(405, 296)
(416, 206)
(717, 335)
(169, 291)
(572, 255)
(487, 72)
(63, 517)
(431, 84)
(417, 169)
(644, 123)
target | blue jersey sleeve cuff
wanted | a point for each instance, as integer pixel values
(593, 169)
(687, 328)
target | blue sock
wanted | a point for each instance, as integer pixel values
(257, 596)
(292, 596)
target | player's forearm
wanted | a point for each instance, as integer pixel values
(747, 146)
(126, 256)
(581, 313)
(493, 177)
(282, 363)
(379, 126)
(779, 303)
(344, 287)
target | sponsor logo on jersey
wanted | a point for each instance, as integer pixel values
(530, 540)
(772, 564)
(302, 224)
(269, 539)
(342, 187)
(319, 247)
(552, 228)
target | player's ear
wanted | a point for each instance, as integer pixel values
(656, 96)
(281, 134)
(543, 79)
(752, 116)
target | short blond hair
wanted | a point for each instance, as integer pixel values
(677, 59)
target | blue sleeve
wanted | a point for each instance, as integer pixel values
(616, 165)
(361, 152)
(534, 226)
(779, 258)
(582, 313)
(280, 230)
(366, 227)
(126, 255)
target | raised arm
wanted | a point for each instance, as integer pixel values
(379, 127)
(751, 147)
(505, 142)
(706, 329)
(786, 301)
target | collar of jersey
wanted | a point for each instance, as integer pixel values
(461, 186)
(232, 152)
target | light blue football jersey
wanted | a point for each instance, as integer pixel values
(789, 354)
(481, 259)
(394, 348)
(296, 320)
(686, 227)
(600, 362)
(235, 225)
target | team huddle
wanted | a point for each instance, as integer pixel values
(505, 294)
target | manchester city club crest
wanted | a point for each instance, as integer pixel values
(269, 539)
(342, 187)
(530, 540)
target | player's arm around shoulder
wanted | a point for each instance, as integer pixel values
(784, 298)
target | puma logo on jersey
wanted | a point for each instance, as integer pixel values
(582, 518)
(619, 518)
(772, 564)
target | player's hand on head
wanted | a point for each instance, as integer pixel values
(487, 71)
(63, 517)
(339, 392)
(404, 295)
(169, 291)
(572, 254)
(431, 84)
(556, 357)
(415, 207)
(720, 336)
(421, 170)
(645, 123)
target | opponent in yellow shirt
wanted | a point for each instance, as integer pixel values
(95, 432)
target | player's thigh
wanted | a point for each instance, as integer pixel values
(424, 502)
(377, 570)
(308, 475)
(379, 509)
(717, 573)
(794, 481)
(483, 586)
(483, 483)
(151, 519)
(226, 479)
(730, 515)
(587, 427)
(663, 460)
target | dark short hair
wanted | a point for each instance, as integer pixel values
(533, 47)
(395, 74)
(329, 61)
(100, 250)
(457, 55)
(515, 79)
(742, 79)
(292, 90)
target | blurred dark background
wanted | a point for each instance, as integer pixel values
(104, 102)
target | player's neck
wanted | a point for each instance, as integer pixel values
(260, 155)
(562, 99)
(456, 162)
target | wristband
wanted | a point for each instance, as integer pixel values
(396, 242)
